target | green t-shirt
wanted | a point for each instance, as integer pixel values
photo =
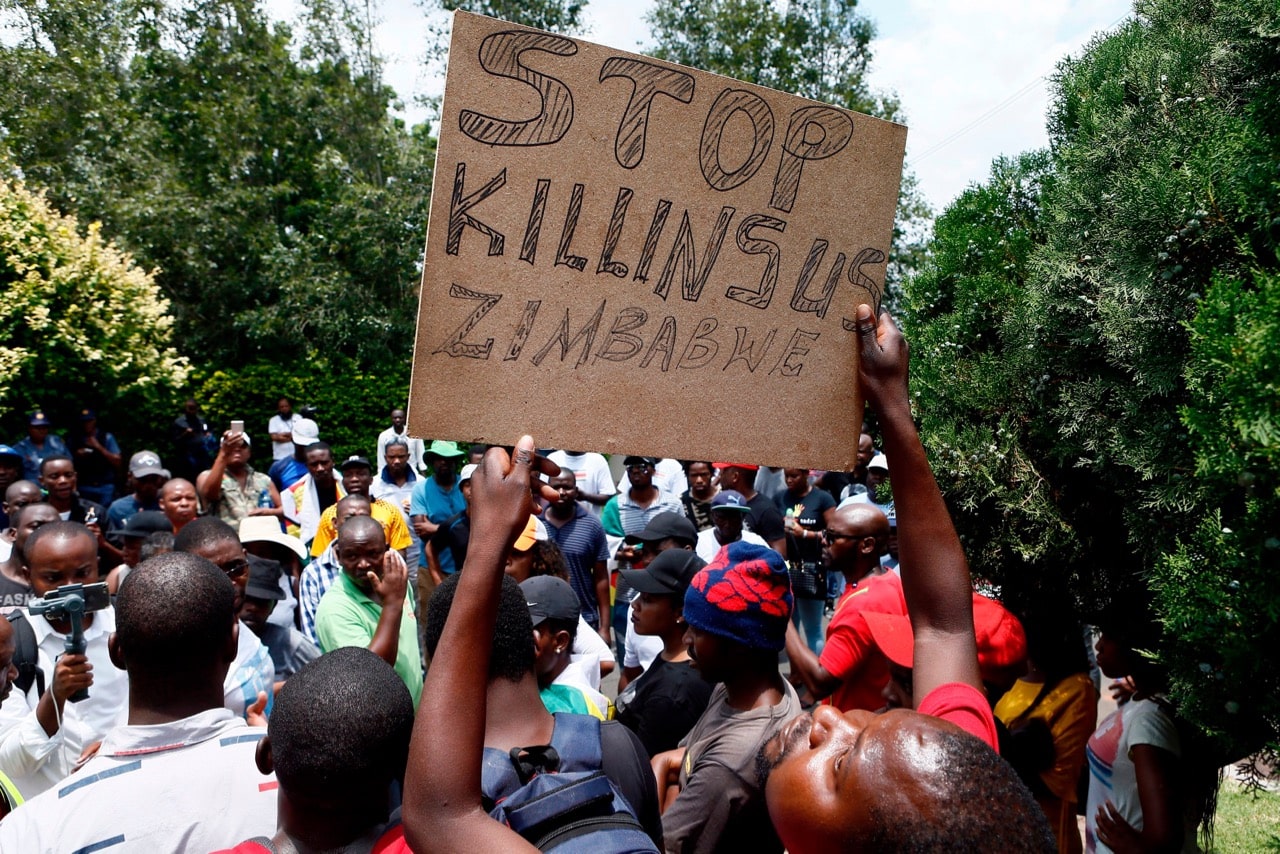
(563, 698)
(348, 617)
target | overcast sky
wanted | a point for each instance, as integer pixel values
(969, 73)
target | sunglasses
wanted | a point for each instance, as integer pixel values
(235, 569)
(829, 537)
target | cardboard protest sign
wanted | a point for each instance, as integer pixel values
(627, 255)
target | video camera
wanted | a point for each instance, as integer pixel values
(71, 602)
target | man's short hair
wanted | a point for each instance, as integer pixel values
(59, 530)
(203, 533)
(55, 458)
(978, 804)
(395, 443)
(513, 654)
(174, 610)
(320, 446)
(341, 723)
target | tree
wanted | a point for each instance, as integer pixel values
(263, 177)
(1097, 375)
(82, 324)
(817, 49)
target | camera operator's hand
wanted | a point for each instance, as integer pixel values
(70, 674)
(394, 583)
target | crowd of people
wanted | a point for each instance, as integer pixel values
(410, 651)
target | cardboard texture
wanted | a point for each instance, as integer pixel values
(630, 256)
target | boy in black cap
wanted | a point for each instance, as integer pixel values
(666, 530)
(290, 649)
(664, 703)
(134, 533)
(555, 611)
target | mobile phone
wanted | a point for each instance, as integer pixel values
(237, 426)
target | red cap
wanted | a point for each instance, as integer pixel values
(746, 466)
(1001, 639)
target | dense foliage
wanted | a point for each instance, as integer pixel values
(80, 323)
(1096, 347)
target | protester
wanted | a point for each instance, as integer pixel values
(436, 499)
(764, 518)
(19, 494)
(263, 540)
(453, 534)
(663, 703)
(289, 648)
(804, 511)
(667, 530)
(39, 445)
(394, 485)
(146, 476)
(41, 734)
(280, 427)
(193, 442)
(591, 474)
(729, 512)
(97, 459)
(306, 500)
(357, 478)
(370, 604)
(582, 541)
(478, 630)
(668, 477)
(287, 470)
(179, 776)
(555, 613)
(136, 531)
(700, 475)
(321, 573)
(178, 503)
(824, 773)
(231, 490)
(397, 433)
(15, 589)
(335, 793)
(251, 672)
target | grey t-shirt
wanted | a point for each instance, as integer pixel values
(721, 806)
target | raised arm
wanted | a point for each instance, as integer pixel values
(443, 809)
(935, 575)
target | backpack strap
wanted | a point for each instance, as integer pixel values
(576, 738)
(25, 654)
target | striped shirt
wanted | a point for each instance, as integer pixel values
(582, 542)
(316, 579)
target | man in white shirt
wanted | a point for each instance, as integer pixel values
(281, 429)
(591, 470)
(41, 734)
(180, 776)
(396, 431)
(668, 476)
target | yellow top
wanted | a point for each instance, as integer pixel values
(1070, 711)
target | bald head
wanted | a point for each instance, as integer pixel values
(361, 528)
(855, 537)
(865, 519)
(21, 493)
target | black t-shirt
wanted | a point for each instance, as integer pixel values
(13, 595)
(764, 519)
(698, 512)
(663, 704)
(625, 762)
(810, 513)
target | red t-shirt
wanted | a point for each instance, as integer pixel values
(850, 653)
(391, 842)
(966, 707)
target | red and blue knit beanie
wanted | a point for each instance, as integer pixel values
(744, 595)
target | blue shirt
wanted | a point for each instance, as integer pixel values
(582, 542)
(121, 511)
(437, 504)
(33, 456)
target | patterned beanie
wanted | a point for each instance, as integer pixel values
(744, 595)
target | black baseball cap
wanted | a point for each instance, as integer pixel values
(550, 598)
(354, 461)
(664, 526)
(639, 461)
(669, 572)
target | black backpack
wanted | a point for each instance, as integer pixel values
(24, 655)
(557, 796)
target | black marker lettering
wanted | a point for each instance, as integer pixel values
(801, 301)
(500, 56)
(460, 219)
(751, 105)
(664, 342)
(693, 276)
(532, 231)
(576, 262)
(795, 347)
(607, 264)
(700, 350)
(761, 296)
(523, 329)
(455, 345)
(746, 350)
(651, 240)
(620, 345)
(647, 81)
(815, 133)
(587, 335)
(862, 281)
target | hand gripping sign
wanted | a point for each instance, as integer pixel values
(627, 255)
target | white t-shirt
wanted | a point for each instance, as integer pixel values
(1112, 774)
(36, 761)
(641, 650)
(668, 476)
(591, 471)
(189, 785)
(417, 452)
(708, 546)
(589, 650)
(280, 450)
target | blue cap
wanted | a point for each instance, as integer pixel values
(6, 451)
(729, 499)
